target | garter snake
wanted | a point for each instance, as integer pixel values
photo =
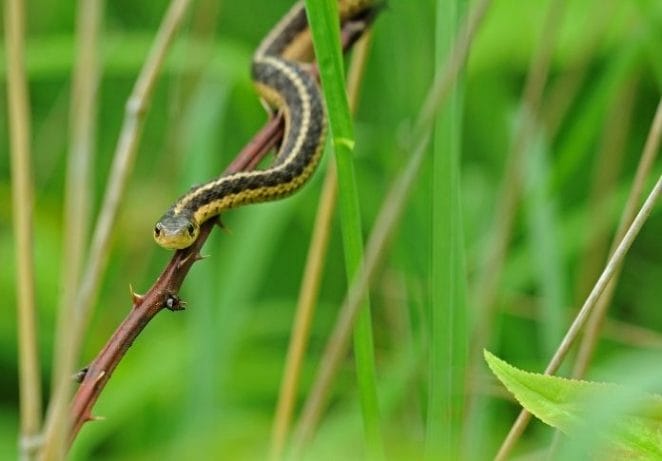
(285, 85)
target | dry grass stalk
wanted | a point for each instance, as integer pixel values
(22, 202)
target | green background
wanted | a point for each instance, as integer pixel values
(203, 383)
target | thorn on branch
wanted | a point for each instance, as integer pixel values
(89, 417)
(186, 259)
(79, 376)
(191, 257)
(136, 298)
(174, 303)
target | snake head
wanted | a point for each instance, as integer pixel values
(175, 232)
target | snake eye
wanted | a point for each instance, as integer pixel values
(157, 230)
(191, 230)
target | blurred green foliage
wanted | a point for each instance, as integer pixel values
(203, 383)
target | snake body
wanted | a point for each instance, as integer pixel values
(286, 86)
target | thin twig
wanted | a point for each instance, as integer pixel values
(304, 313)
(312, 273)
(594, 325)
(21, 183)
(123, 160)
(489, 276)
(488, 280)
(615, 330)
(197, 52)
(604, 178)
(76, 219)
(338, 342)
(163, 294)
(571, 335)
(383, 229)
(164, 291)
(96, 263)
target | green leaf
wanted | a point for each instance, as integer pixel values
(324, 26)
(633, 429)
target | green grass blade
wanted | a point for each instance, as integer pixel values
(323, 17)
(448, 329)
(543, 225)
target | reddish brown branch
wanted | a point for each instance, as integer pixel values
(164, 292)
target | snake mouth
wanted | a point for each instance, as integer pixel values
(175, 232)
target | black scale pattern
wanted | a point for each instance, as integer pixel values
(273, 77)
